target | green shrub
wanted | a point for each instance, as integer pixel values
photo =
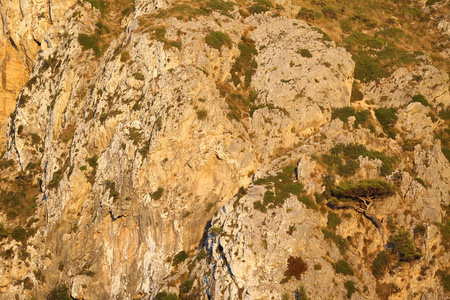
(385, 290)
(403, 246)
(421, 99)
(380, 264)
(351, 289)
(420, 230)
(202, 114)
(57, 176)
(179, 258)
(421, 182)
(282, 186)
(158, 193)
(296, 267)
(93, 161)
(343, 267)
(60, 292)
(387, 119)
(305, 53)
(217, 39)
(333, 220)
(361, 117)
(89, 42)
(368, 68)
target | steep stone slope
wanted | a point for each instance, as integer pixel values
(136, 141)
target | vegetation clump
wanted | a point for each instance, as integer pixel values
(217, 39)
(156, 195)
(380, 264)
(90, 42)
(361, 117)
(421, 99)
(338, 240)
(387, 119)
(260, 6)
(343, 159)
(343, 267)
(60, 292)
(403, 247)
(281, 187)
(351, 288)
(296, 267)
(179, 258)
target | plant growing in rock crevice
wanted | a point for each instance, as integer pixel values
(361, 195)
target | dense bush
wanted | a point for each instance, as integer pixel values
(296, 267)
(343, 267)
(179, 258)
(217, 39)
(351, 289)
(380, 264)
(387, 119)
(306, 14)
(156, 195)
(90, 42)
(403, 247)
(305, 53)
(184, 288)
(333, 220)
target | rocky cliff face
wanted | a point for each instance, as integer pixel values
(139, 124)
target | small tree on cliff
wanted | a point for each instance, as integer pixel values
(361, 195)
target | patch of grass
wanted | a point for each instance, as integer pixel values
(3, 232)
(93, 161)
(217, 39)
(90, 42)
(367, 67)
(307, 15)
(182, 12)
(387, 118)
(111, 185)
(139, 76)
(98, 4)
(19, 234)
